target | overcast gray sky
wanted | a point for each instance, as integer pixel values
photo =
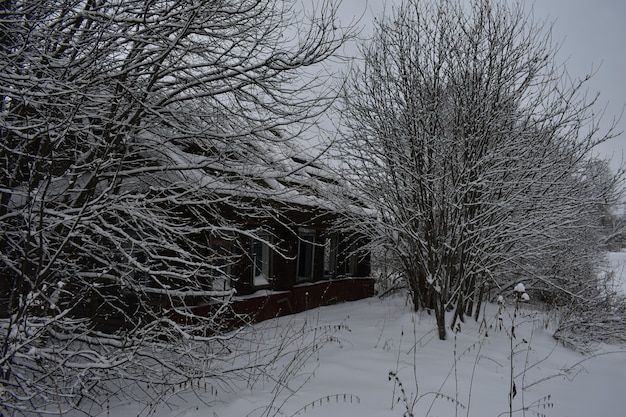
(592, 34)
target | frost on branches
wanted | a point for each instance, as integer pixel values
(128, 130)
(475, 149)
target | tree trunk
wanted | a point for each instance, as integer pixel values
(440, 316)
(479, 301)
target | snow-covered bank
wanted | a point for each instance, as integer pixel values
(467, 375)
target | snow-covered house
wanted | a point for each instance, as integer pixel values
(182, 223)
(296, 259)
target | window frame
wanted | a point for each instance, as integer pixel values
(306, 242)
(331, 252)
(221, 272)
(266, 264)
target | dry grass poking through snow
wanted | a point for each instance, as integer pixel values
(384, 360)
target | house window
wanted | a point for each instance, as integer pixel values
(330, 256)
(306, 251)
(351, 264)
(221, 262)
(220, 275)
(261, 263)
(349, 259)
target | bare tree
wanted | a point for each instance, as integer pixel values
(473, 146)
(134, 135)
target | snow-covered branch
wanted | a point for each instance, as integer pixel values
(476, 150)
(138, 139)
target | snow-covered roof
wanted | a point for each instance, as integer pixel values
(268, 168)
(255, 167)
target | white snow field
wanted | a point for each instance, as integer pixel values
(467, 375)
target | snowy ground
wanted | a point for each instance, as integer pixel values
(467, 375)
